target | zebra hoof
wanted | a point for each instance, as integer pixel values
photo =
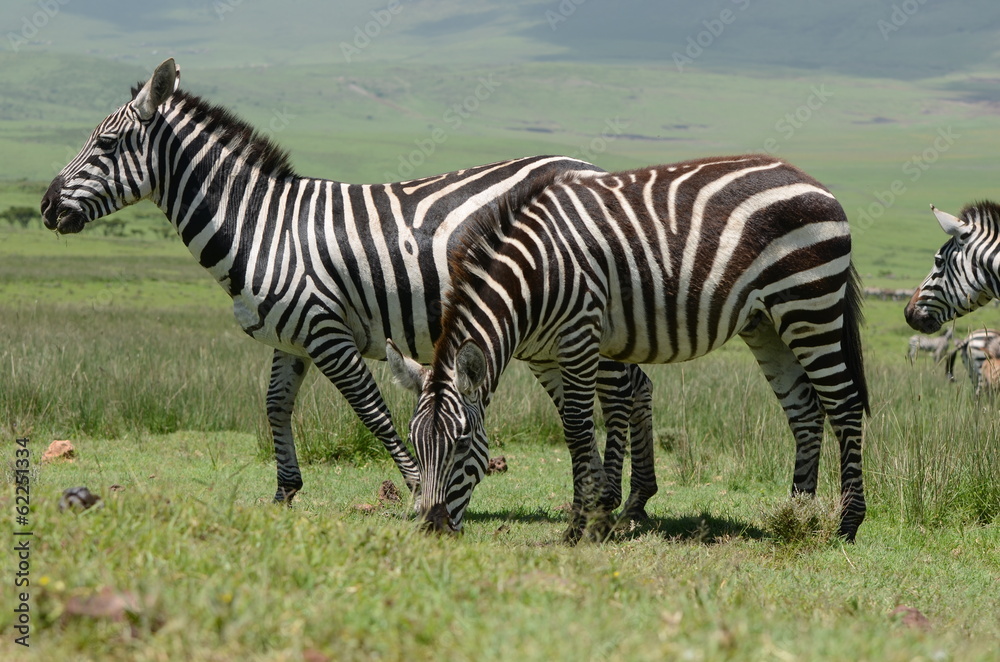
(847, 533)
(284, 496)
(635, 514)
(572, 535)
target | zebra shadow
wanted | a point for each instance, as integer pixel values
(519, 515)
(703, 528)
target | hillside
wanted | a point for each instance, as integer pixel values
(905, 40)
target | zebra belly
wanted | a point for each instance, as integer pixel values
(663, 335)
(246, 310)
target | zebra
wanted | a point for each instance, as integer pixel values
(979, 349)
(966, 271)
(656, 265)
(937, 346)
(319, 270)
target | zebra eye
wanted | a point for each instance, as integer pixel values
(106, 141)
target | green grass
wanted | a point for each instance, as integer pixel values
(217, 573)
(163, 396)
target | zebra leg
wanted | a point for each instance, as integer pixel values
(625, 394)
(643, 485)
(587, 516)
(826, 362)
(287, 373)
(342, 364)
(614, 394)
(798, 398)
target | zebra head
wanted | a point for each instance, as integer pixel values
(965, 273)
(113, 169)
(447, 432)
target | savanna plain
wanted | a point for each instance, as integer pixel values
(116, 340)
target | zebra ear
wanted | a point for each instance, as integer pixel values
(950, 224)
(408, 373)
(157, 89)
(471, 367)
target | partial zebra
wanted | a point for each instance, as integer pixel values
(322, 271)
(658, 265)
(966, 271)
(980, 352)
(936, 345)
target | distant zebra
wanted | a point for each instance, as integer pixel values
(966, 271)
(978, 349)
(322, 271)
(937, 345)
(657, 265)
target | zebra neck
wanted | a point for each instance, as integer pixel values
(218, 203)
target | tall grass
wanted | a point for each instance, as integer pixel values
(72, 370)
(932, 450)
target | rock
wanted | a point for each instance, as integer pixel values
(911, 617)
(106, 604)
(497, 465)
(61, 449)
(78, 499)
(313, 655)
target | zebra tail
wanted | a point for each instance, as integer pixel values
(851, 343)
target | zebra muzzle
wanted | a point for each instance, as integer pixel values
(56, 215)
(437, 520)
(918, 318)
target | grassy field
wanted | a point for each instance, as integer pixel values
(129, 354)
(117, 340)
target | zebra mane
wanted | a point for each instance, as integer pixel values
(234, 132)
(981, 211)
(482, 234)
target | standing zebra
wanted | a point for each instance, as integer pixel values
(936, 345)
(657, 265)
(979, 349)
(322, 271)
(966, 271)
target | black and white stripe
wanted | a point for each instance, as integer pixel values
(658, 265)
(322, 271)
(966, 271)
(976, 349)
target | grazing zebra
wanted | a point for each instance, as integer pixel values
(979, 349)
(966, 271)
(657, 265)
(935, 345)
(322, 271)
